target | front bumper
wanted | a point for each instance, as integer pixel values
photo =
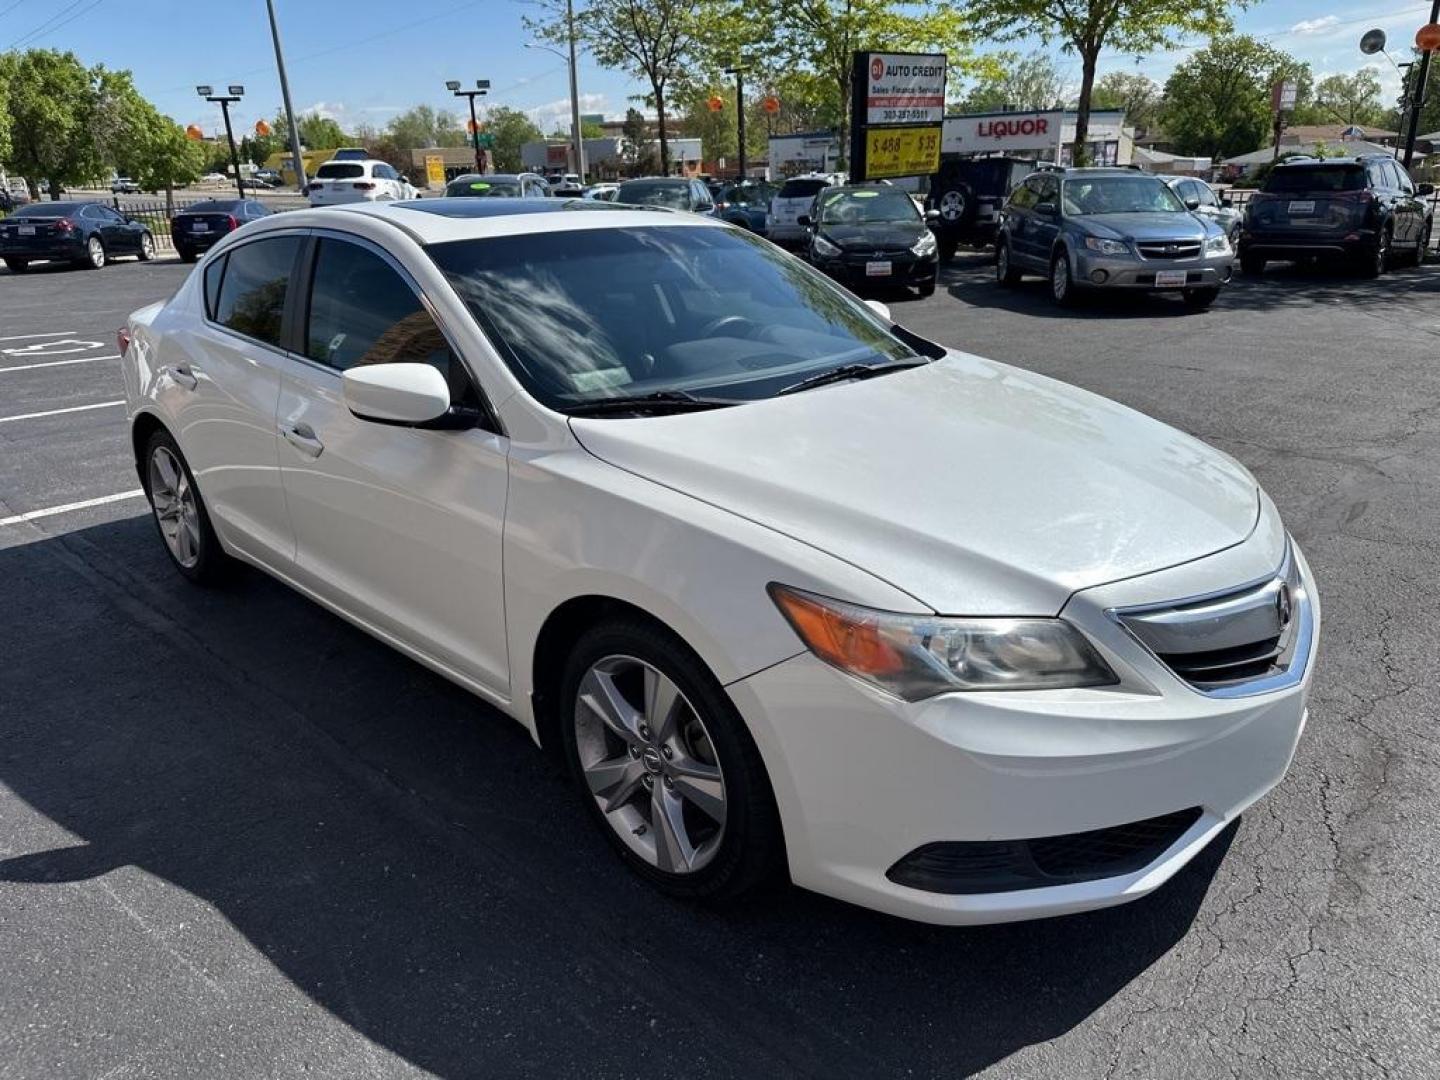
(907, 269)
(1097, 271)
(863, 780)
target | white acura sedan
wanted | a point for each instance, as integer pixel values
(792, 589)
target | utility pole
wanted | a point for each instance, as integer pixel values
(224, 101)
(739, 72)
(1417, 98)
(301, 180)
(575, 131)
(482, 87)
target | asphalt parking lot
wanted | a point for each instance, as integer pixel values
(240, 838)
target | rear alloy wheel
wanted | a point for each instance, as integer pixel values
(1005, 272)
(94, 254)
(1377, 259)
(147, 247)
(1062, 288)
(180, 513)
(671, 775)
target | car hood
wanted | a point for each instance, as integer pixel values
(975, 487)
(1144, 226)
(879, 234)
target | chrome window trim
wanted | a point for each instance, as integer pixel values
(1304, 643)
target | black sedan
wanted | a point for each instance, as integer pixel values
(866, 236)
(85, 234)
(195, 228)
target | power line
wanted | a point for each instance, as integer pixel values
(55, 22)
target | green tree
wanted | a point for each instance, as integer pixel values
(423, 126)
(591, 130)
(637, 151)
(52, 105)
(1138, 95)
(158, 154)
(1217, 102)
(320, 132)
(1031, 83)
(512, 130)
(1350, 99)
(1085, 27)
(7, 76)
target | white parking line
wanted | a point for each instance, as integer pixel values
(27, 337)
(83, 504)
(58, 363)
(57, 412)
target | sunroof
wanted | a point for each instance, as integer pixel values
(469, 207)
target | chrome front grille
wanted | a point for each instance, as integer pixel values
(1169, 249)
(1244, 641)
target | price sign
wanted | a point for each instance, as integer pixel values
(912, 151)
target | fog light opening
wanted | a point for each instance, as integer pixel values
(1099, 277)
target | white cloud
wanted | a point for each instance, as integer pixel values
(553, 114)
(1315, 26)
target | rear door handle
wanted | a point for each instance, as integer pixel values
(182, 374)
(302, 437)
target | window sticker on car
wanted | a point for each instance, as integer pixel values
(479, 187)
(599, 379)
(864, 194)
(334, 346)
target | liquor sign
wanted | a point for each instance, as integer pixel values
(907, 151)
(897, 104)
(1038, 132)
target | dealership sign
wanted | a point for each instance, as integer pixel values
(904, 88)
(1008, 132)
(897, 103)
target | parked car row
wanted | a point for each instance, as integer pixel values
(84, 234)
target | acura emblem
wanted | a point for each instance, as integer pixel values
(1172, 247)
(1284, 604)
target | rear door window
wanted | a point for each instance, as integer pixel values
(802, 189)
(1316, 179)
(252, 294)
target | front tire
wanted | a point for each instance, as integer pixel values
(667, 768)
(17, 266)
(180, 513)
(1253, 265)
(1062, 286)
(147, 247)
(1005, 272)
(928, 288)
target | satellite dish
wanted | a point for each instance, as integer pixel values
(1373, 42)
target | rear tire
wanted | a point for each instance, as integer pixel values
(1422, 250)
(948, 245)
(1376, 261)
(1005, 272)
(147, 247)
(186, 255)
(17, 266)
(700, 731)
(1254, 265)
(180, 514)
(95, 256)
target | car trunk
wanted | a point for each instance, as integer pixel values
(1322, 199)
(203, 225)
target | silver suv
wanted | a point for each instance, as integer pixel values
(1110, 229)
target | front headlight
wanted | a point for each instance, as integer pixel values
(918, 656)
(1218, 245)
(825, 247)
(1106, 247)
(925, 245)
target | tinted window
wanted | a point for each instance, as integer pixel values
(213, 273)
(339, 170)
(363, 312)
(1379, 176)
(581, 316)
(1316, 178)
(485, 187)
(385, 172)
(674, 194)
(1402, 179)
(92, 212)
(252, 293)
(1024, 196)
(1205, 195)
(1119, 195)
(212, 206)
(841, 207)
(801, 189)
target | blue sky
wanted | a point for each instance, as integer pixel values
(364, 60)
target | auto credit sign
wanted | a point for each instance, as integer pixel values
(904, 88)
(1008, 132)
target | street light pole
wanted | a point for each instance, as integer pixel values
(739, 73)
(224, 101)
(575, 133)
(1417, 99)
(482, 86)
(300, 178)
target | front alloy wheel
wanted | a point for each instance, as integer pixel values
(650, 764)
(1061, 287)
(147, 247)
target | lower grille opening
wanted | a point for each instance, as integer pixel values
(960, 867)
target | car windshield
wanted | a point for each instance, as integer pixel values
(339, 171)
(488, 188)
(1316, 178)
(747, 195)
(866, 207)
(802, 189)
(585, 315)
(1120, 195)
(654, 193)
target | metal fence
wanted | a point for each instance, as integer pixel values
(156, 214)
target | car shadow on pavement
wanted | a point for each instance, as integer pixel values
(407, 859)
(971, 279)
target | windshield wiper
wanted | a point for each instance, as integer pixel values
(846, 372)
(655, 401)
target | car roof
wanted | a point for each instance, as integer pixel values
(656, 180)
(438, 220)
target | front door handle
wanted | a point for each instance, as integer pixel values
(302, 437)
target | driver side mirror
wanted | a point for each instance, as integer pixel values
(932, 215)
(1046, 208)
(1192, 204)
(1227, 202)
(804, 221)
(408, 394)
(1424, 189)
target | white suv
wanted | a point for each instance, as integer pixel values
(791, 203)
(339, 182)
